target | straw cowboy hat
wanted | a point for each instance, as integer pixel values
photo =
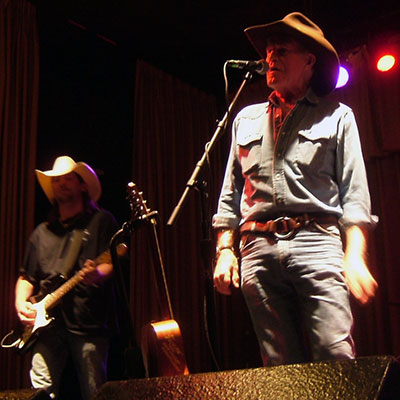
(300, 27)
(64, 165)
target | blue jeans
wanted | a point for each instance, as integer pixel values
(297, 297)
(50, 352)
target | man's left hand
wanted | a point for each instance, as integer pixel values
(89, 273)
(359, 280)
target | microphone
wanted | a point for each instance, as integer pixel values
(254, 66)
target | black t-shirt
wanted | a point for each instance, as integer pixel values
(86, 310)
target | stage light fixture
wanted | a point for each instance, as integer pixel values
(386, 62)
(343, 77)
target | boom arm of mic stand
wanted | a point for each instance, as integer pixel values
(220, 129)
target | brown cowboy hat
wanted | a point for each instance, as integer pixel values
(298, 26)
(64, 165)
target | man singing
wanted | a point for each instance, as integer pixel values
(295, 184)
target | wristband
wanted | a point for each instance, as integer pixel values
(219, 249)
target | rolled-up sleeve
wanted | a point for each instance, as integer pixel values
(351, 176)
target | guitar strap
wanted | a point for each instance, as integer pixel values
(75, 245)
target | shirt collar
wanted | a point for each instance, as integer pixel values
(309, 97)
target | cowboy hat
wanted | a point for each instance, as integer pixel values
(298, 26)
(64, 165)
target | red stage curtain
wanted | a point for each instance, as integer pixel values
(19, 81)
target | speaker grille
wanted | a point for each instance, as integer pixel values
(359, 379)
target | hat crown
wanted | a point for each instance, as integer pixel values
(62, 165)
(303, 24)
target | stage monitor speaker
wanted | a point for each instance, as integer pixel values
(24, 394)
(365, 378)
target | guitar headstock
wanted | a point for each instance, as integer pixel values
(138, 206)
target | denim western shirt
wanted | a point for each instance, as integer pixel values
(314, 165)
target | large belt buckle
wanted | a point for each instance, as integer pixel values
(283, 236)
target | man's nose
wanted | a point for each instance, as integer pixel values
(62, 182)
(272, 55)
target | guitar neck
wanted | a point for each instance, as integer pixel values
(141, 213)
(53, 298)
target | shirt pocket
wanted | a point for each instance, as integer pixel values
(312, 148)
(249, 150)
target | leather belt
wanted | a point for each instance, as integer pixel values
(285, 227)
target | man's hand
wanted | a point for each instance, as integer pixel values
(95, 274)
(26, 313)
(226, 272)
(358, 278)
(23, 291)
(89, 273)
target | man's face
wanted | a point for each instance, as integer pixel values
(68, 188)
(290, 66)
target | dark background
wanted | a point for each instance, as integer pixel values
(88, 52)
(151, 131)
(88, 55)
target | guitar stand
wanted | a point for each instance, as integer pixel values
(133, 366)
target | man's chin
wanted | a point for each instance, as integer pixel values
(63, 199)
(272, 82)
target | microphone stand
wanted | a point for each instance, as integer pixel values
(193, 183)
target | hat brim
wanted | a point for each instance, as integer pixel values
(82, 169)
(327, 65)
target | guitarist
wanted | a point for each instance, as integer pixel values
(84, 318)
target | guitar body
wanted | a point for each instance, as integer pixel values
(30, 333)
(162, 349)
(20, 340)
(23, 338)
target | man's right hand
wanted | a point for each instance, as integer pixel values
(226, 272)
(23, 291)
(26, 313)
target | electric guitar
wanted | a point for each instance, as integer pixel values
(23, 340)
(162, 343)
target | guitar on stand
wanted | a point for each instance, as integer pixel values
(162, 343)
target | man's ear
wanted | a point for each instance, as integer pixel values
(311, 59)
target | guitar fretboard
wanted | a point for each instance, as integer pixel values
(105, 257)
(54, 297)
